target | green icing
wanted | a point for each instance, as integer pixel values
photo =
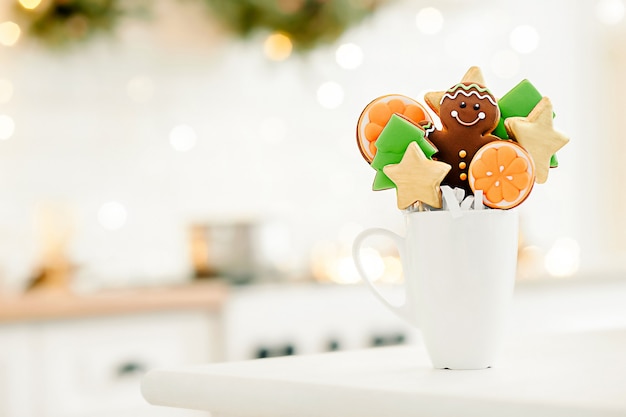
(500, 130)
(519, 102)
(383, 159)
(382, 182)
(554, 162)
(391, 145)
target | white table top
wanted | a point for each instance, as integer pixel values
(564, 356)
(569, 374)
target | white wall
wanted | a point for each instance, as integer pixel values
(81, 141)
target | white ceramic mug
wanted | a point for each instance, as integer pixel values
(459, 274)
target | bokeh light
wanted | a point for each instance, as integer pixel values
(349, 56)
(9, 33)
(393, 270)
(183, 138)
(277, 46)
(330, 95)
(30, 4)
(524, 39)
(7, 126)
(343, 271)
(563, 258)
(429, 21)
(372, 263)
(112, 215)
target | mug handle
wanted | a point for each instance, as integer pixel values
(402, 310)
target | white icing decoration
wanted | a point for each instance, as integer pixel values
(430, 129)
(455, 115)
(468, 94)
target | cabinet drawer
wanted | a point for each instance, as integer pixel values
(94, 366)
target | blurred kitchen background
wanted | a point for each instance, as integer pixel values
(180, 182)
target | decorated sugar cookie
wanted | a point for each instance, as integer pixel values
(417, 178)
(504, 172)
(468, 113)
(537, 135)
(377, 114)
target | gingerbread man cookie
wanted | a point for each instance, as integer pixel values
(468, 113)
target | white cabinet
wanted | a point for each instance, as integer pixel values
(274, 320)
(94, 366)
(91, 367)
(17, 371)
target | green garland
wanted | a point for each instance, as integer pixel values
(60, 23)
(309, 23)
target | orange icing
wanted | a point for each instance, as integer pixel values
(380, 113)
(505, 174)
(415, 113)
(372, 131)
(396, 106)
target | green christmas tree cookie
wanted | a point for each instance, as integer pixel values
(391, 145)
(519, 102)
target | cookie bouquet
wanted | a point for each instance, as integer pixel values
(472, 146)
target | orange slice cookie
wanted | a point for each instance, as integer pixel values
(375, 116)
(504, 172)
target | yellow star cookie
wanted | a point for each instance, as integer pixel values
(536, 134)
(433, 98)
(473, 75)
(417, 178)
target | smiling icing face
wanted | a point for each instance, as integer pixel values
(469, 106)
